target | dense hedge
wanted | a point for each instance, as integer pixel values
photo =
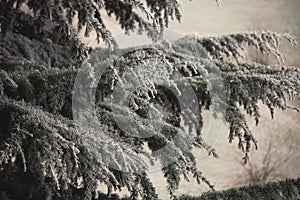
(288, 189)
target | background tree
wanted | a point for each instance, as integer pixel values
(43, 155)
(278, 151)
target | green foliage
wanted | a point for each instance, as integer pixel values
(288, 189)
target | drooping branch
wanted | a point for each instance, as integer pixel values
(243, 85)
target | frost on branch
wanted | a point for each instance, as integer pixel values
(40, 136)
(266, 42)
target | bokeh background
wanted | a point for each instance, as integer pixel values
(279, 138)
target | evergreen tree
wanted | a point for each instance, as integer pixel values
(45, 153)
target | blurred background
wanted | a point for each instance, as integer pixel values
(279, 138)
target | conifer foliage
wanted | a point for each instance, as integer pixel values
(46, 154)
